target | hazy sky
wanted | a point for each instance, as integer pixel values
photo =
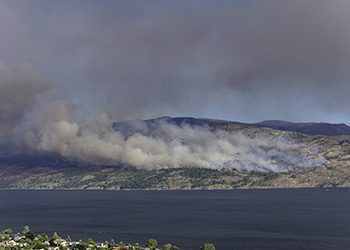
(237, 60)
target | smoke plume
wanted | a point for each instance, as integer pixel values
(38, 125)
(244, 60)
(20, 87)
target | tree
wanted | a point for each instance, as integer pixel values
(40, 245)
(8, 231)
(80, 246)
(26, 229)
(208, 246)
(91, 242)
(52, 243)
(167, 246)
(30, 235)
(68, 238)
(112, 243)
(55, 236)
(152, 243)
(22, 240)
(44, 237)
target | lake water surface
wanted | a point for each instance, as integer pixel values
(237, 219)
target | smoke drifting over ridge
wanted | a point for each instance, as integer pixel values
(242, 60)
(37, 125)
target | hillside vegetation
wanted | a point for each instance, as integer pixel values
(50, 172)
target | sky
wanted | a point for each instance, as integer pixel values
(240, 60)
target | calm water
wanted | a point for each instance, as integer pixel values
(237, 219)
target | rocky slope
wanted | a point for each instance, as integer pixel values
(328, 164)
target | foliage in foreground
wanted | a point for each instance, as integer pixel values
(28, 240)
(208, 246)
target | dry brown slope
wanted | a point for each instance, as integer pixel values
(335, 172)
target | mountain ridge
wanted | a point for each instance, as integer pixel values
(310, 128)
(330, 166)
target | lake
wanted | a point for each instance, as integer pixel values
(236, 219)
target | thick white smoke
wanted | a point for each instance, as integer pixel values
(52, 128)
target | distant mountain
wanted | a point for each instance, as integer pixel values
(146, 126)
(190, 121)
(318, 157)
(310, 128)
(178, 121)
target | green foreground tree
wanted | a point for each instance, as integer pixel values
(208, 246)
(26, 229)
(152, 244)
(167, 246)
(55, 236)
(30, 235)
(80, 246)
(91, 242)
(7, 231)
(40, 245)
(68, 238)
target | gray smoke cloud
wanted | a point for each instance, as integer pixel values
(20, 87)
(52, 130)
(240, 60)
(37, 124)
